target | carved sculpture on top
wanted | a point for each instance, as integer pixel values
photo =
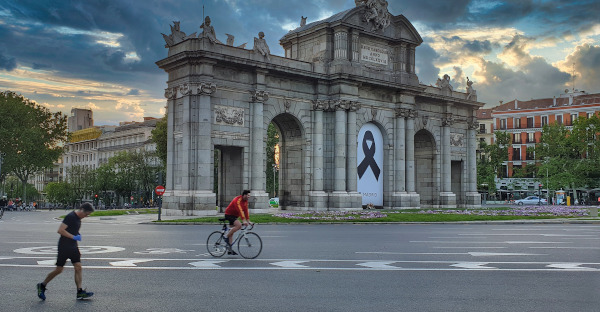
(230, 39)
(444, 83)
(209, 31)
(176, 36)
(471, 93)
(377, 12)
(303, 21)
(260, 45)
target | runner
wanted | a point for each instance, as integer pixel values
(68, 249)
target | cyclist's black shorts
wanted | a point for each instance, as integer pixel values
(65, 253)
(230, 218)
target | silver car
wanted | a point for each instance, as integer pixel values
(531, 200)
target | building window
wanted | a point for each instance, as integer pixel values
(481, 128)
(531, 137)
(516, 153)
(573, 118)
(502, 124)
(544, 120)
(559, 119)
(516, 138)
(529, 122)
(517, 123)
(589, 115)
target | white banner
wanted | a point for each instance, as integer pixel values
(369, 164)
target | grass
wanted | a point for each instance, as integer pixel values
(411, 215)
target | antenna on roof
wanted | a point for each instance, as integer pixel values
(573, 76)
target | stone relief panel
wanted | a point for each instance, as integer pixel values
(457, 139)
(229, 116)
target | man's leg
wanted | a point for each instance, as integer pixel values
(236, 226)
(78, 274)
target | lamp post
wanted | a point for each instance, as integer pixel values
(274, 172)
(1, 160)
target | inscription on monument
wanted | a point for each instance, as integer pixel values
(373, 54)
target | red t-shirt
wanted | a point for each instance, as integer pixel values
(239, 208)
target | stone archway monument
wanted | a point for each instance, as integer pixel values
(348, 106)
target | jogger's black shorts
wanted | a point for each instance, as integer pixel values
(65, 253)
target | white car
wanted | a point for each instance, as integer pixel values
(531, 200)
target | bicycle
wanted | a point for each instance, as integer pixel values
(249, 244)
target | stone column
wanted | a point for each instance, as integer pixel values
(410, 159)
(340, 44)
(168, 199)
(259, 198)
(400, 198)
(473, 199)
(318, 198)
(340, 148)
(351, 162)
(447, 198)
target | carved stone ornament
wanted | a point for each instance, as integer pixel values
(320, 105)
(354, 106)
(376, 12)
(447, 120)
(171, 93)
(425, 120)
(346, 105)
(373, 113)
(176, 36)
(207, 88)
(259, 96)
(473, 123)
(457, 139)
(401, 112)
(185, 89)
(412, 114)
(226, 115)
(287, 104)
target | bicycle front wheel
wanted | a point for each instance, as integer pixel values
(216, 244)
(250, 245)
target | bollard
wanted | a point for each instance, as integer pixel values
(594, 211)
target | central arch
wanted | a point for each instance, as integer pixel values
(292, 189)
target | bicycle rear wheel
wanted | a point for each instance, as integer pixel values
(216, 244)
(250, 245)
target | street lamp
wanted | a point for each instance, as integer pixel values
(274, 172)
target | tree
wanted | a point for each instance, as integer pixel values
(104, 182)
(80, 181)
(30, 136)
(159, 137)
(134, 174)
(59, 193)
(489, 165)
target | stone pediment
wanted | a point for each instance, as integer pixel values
(398, 29)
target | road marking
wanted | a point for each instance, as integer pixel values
(129, 263)
(48, 250)
(410, 253)
(207, 264)
(46, 262)
(492, 254)
(469, 247)
(381, 265)
(536, 242)
(570, 266)
(473, 265)
(565, 247)
(290, 264)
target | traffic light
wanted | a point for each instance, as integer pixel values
(96, 196)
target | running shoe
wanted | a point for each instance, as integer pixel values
(83, 294)
(231, 252)
(41, 291)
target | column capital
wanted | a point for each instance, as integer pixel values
(186, 89)
(345, 105)
(412, 114)
(401, 112)
(320, 105)
(473, 123)
(447, 120)
(259, 96)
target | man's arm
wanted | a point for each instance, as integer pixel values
(241, 209)
(62, 230)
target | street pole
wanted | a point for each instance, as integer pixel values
(1, 160)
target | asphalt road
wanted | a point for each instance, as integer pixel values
(342, 267)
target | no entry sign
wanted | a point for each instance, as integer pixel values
(159, 190)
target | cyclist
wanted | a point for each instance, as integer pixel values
(238, 208)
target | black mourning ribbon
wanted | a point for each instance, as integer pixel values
(369, 161)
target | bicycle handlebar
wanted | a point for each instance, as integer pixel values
(250, 226)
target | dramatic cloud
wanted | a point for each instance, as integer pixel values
(7, 63)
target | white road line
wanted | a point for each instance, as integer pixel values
(206, 264)
(382, 265)
(493, 254)
(536, 242)
(570, 266)
(473, 265)
(129, 263)
(410, 253)
(469, 247)
(565, 247)
(46, 262)
(290, 264)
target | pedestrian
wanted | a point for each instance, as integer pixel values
(238, 208)
(68, 249)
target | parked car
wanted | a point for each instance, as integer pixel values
(274, 202)
(531, 200)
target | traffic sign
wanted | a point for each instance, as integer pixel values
(159, 190)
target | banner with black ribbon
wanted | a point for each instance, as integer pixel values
(369, 160)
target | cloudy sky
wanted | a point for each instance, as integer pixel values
(101, 54)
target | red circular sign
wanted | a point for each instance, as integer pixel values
(159, 190)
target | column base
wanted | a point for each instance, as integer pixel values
(318, 200)
(259, 202)
(340, 200)
(473, 200)
(189, 203)
(447, 200)
(404, 200)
